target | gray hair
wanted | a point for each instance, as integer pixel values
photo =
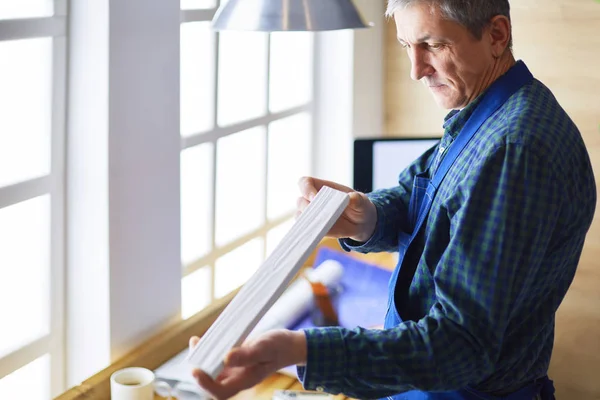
(475, 15)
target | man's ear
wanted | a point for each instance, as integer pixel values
(498, 32)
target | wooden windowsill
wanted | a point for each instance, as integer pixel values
(151, 354)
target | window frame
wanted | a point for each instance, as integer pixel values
(217, 132)
(106, 262)
(55, 27)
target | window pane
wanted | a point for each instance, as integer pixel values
(25, 101)
(10, 9)
(195, 292)
(289, 160)
(275, 235)
(196, 195)
(24, 272)
(291, 74)
(240, 184)
(31, 382)
(236, 267)
(197, 77)
(242, 76)
(197, 4)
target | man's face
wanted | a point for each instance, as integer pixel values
(444, 55)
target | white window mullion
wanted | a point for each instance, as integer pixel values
(213, 217)
(213, 190)
(28, 28)
(315, 110)
(57, 285)
(22, 191)
(197, 15)
(267, 133)
(24, 355)
(220, 132)
(218, 252)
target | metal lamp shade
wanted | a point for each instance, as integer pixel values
(287, 15)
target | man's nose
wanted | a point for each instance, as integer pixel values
(419, 65)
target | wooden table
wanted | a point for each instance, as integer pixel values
(265, 389)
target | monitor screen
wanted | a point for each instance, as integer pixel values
(377, 162)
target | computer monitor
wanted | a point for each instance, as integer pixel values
(377, 162)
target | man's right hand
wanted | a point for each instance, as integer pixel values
(358, 220)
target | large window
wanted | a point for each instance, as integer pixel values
(247, 130)
(32, 101)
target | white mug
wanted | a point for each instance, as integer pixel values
(133, 383)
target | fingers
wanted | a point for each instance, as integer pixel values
(244, 378)
(357, 200)
(231, 381)
(214, 389)
(193, 342)
(309, 187)
(245, 366)
(301, 204)
(243, 356)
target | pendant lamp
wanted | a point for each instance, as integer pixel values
(287, 15)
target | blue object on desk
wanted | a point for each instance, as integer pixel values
(363, 297)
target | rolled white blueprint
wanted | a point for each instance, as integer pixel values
(298, 300)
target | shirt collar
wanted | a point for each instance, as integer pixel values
(455, 120)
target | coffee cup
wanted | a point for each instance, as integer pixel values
(133, 383)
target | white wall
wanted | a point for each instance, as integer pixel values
(87, 313)
(368, 71)
(123, 272)
(144, 146)
(349, 92)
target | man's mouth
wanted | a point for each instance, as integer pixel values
(436, 87)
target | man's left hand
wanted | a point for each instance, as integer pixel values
(255, 360)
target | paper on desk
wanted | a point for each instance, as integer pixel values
(300, 395)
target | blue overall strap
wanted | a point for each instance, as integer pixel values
(496, 95)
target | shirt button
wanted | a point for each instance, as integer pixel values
(320, 388)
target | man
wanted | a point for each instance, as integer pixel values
(489, 225)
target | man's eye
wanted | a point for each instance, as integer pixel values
(435, 46)
(404, 45)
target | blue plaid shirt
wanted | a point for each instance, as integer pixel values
(497, 254)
